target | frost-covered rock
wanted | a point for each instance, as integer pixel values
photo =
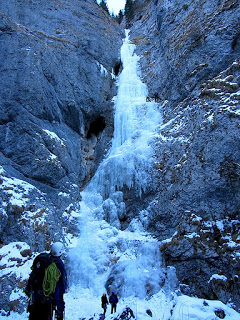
(198, 254)
(4, 218)
(54, 95)
(192, 61)
(182, 44)
(15, 262)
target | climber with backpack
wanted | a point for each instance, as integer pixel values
(113, 301)
(46, 285)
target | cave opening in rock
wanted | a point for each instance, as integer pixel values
(117, 67)
(96, 127)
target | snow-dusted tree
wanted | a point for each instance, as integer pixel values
(120, 16)
(104, 6)
(129, 12)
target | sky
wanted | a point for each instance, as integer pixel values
(115, 5)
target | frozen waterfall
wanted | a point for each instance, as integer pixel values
(127, 261)
(129, 161)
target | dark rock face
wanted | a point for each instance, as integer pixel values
(198, 152)
(190, 56)
(58, 65)
(184, 44)
(56, 79)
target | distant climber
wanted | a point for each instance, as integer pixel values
(149, 312)
(46, 285)
(127, 314)
(104, 300)
(113, 300)
(156, 97)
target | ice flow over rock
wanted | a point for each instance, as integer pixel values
(129, 160)
(128, 261)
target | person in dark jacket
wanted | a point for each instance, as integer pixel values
(113, 300)
(156, 97)
(41, 304)
(104, 300)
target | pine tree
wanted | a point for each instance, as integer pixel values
(120, 16)
(129, 12)
(104, 6)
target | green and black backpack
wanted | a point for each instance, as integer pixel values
(44, 276)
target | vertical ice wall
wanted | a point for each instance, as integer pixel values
(104, 254)
(129, 161)
(130, 98)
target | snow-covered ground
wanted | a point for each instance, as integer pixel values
(131, 258)
(162, 308)
(84, 305)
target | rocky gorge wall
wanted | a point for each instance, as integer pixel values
(57, 82)
(57, 76)
(59, 61)
(183, 43)
(189, 54)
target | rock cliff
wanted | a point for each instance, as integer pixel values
(58, 66)
(184, 43)
(190, 55)
(56, 88)
(59, 61)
